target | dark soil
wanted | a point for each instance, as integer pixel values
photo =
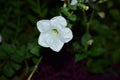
(63, 67)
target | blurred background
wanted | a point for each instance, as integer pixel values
(93, 54)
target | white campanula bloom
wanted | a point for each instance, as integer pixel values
(54, 33)
(73, 2)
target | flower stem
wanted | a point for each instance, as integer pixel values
(38, 6)
(34, 69)
(89, 22)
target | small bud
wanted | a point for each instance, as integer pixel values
(84, 7)
(90, 42)
(101, 14)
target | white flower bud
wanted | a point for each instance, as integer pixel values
(90, 42)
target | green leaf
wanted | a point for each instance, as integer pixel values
(8, 48)
(96, 68)
(8, 71)
(32, 18)
(69, 25)
(89, 62)
(3, 55)
(97, 51)
(96, 24)
(110, 4)
(102, 1)
(116, 56)
(32, 3)
(35, 60)
(76, 46)
(17, 58)
(15, 65)
(72, 17)
(115, 14)
(65, 11)
(3, 78)
(85, 39)
(35, 51)
(36, 10)
(72, 7)
(79, 57)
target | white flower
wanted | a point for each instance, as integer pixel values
(54, 33)
(73, 2)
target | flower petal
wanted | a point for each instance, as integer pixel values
(41, 40)
(66, 35)
(54, 43)
(43, 25)
(58, 20)
(73, 2)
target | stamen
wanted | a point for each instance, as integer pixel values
(55, 31)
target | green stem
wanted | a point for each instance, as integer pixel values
(34, 69)
(85, 17)
(88, 24)
(38, 6)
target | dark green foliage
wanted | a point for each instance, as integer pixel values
(19, 49)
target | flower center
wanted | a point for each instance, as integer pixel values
(55, 31)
